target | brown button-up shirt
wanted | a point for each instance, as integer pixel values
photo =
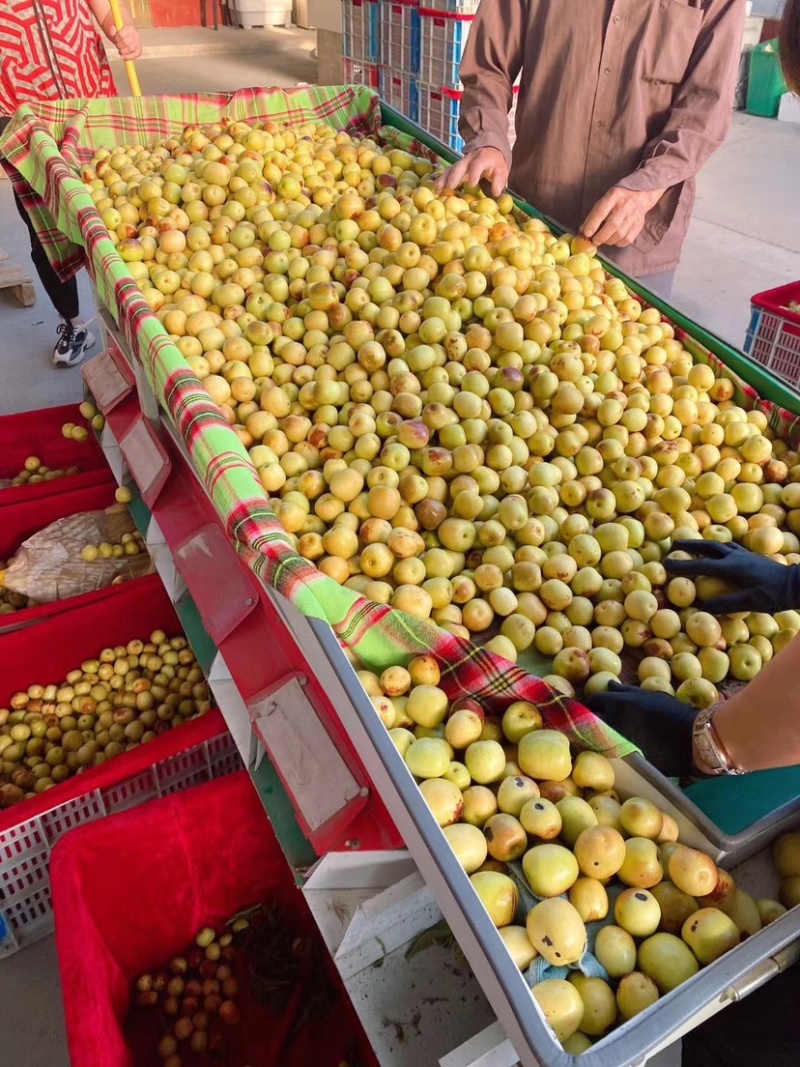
(636, 93)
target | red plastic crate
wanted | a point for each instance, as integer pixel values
(25, 518)
(38, 433)
(773, 338)
(187, 862)
(193, 752)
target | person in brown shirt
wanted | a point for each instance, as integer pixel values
(620, 105)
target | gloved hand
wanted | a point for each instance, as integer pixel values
(658, 724)
(764, 585)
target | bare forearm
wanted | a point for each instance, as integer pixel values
(101, 9)
(760, 725)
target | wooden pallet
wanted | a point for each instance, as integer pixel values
(14, 278)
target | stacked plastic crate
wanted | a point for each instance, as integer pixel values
(410, 50)
(361, 42)
(444, 31)
(399, 34)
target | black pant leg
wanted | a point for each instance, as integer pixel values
(63, 295)
(761, 1031)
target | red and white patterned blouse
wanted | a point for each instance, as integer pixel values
(50, 50)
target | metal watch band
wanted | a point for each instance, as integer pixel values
(710, 746)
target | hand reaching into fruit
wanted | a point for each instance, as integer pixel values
(761, 584)
(619, 216)
(660, 725)
(488, 163)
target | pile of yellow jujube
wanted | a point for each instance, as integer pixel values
(506, 791)
(9, 600)
(454, 412)
(124, 698)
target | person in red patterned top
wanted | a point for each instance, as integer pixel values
(52, 50)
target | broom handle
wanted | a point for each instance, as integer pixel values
(130, 69)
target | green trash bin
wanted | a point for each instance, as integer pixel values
(766, 85)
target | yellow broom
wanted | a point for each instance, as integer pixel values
(130, 68)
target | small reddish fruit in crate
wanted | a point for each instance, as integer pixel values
(270, 965)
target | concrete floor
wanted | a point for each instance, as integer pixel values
(745, 237)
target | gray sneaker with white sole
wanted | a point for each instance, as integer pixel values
(73, 344)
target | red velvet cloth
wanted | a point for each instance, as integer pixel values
(132, 890)
(38, 433)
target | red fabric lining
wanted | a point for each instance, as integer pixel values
(38, 433)
(132, 890)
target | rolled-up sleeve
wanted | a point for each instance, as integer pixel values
(492, 60)
(701, 112)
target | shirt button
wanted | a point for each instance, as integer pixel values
(607, 70)
(616, 19)
(600, 124)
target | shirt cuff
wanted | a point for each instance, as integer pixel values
(649, 175)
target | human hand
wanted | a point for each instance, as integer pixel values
(486, 163)
(658, 724)
(618, 217)
(127, 42)
(763, 584)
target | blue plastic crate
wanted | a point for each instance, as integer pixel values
(443, 38)
(438, 113)
(458, 7)
(752, 329)
(361, 34)
(400, 35)
(399, 90)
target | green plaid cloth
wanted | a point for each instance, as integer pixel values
(43, 148)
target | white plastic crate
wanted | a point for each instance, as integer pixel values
(250, 14)
(361, 30)
(512, 117)
(399, 34)
(358, 73)
(25, 909)
(399, 91)
(438, 114)
(458, 7)
(443, 38)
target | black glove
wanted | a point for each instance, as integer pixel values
(764, 585)
(658, 724)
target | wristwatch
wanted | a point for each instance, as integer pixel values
(709, 747)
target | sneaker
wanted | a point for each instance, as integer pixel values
(73, 343)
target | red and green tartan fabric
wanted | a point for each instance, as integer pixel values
(43, 149)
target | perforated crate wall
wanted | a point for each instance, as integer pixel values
(438, 114)
(400, 91)
(361, 35)
(25, 909)
(443, 38)
(774, 342)
(399, 34)
(458, 7)
(357, 73)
